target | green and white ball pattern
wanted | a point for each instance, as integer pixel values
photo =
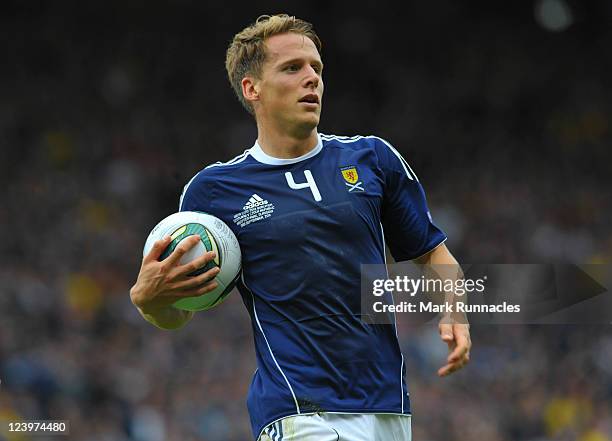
(207, 243)
(215, 236)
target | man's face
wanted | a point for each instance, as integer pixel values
(291, 86)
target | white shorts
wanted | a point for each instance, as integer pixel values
(339, 427)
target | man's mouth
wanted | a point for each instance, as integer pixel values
(311, 98)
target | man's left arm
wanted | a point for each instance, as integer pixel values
(406, 219)
(456, 333)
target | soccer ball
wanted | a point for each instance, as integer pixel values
(215, 236)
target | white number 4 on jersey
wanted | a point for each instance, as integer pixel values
(310, 183)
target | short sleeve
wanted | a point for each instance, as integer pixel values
(408, 227)
(196, 195)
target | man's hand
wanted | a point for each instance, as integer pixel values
(457, 337)
(160, 284)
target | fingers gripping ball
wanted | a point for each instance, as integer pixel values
(215, 236)
(207, 243)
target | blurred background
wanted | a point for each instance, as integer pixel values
(108, 108)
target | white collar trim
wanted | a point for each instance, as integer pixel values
(261, 156)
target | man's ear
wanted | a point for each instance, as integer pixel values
(250, 89)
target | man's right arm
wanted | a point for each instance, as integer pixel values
(166, 317)
(161, 283)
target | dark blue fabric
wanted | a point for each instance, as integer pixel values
(301, 273)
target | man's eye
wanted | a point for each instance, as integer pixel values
(292, 68)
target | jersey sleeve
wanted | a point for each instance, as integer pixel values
(196, 195)
(408, 227)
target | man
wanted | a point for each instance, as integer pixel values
(307, 209)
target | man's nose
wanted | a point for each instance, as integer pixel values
(312, 78)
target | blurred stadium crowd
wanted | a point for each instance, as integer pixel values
(108, 109)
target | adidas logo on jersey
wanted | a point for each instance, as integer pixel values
(254, 210)
(254, 201)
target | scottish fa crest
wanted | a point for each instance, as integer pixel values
(351, 178)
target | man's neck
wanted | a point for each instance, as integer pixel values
(286, 145)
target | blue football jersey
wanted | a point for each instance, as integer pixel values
(305, 225)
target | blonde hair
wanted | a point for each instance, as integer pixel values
(247, 53)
